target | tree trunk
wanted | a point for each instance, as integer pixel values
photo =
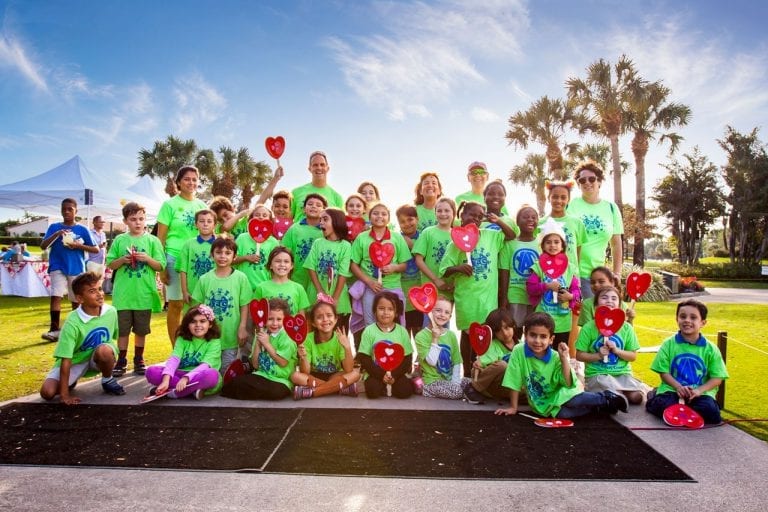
(639, 149)
(170, 186)
(555, 161)
(616, 162)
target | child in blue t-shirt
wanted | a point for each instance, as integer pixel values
(691, 368)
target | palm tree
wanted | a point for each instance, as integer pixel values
(532, 173)
(546, 122)
(251, 175)
(597, 152)
(648, 114)
(604, 96)
(165, 158)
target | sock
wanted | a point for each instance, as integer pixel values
(138, 352)
(104, 380)
(123, 355)
(55, 319)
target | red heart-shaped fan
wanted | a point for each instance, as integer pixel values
(296, 327)
(637, 284)
(280, 226)
(381, 253)
(553, 266)
(423, 297)
(608, 320)
(260, 229)
(259, 309)
(355, 226)
(480, 337)
(275, 146)
(465, 237)
(388, 355)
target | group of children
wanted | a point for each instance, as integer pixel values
(323, 268)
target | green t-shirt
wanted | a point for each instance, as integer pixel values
(509, 221)
(518, 258)
(372, 335)
(363, 259)
(560, 313)
(432, 244)
(690, 364)
(82, 334)
(299, 193)
(286, 348)
(192, 353)
(497, 351)
(476, 295)
(195, 260)
(225, 295)
(478, 198)
(291, 292)
(256, 272)
(135, 289)
(542, 378)
(299, 239)
(334, 255)
(426, 217)
(590, 340)
(325, 357)
(410, 277)
(179, 215)
(450, 355)
(601, 221)
(240, 227)
(575, 234)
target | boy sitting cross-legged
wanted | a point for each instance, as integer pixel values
(87, 342)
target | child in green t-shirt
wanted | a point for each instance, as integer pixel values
(280, 265)
(548, 379)
(328, 264)
(195, 256)
(439, 356)
(251, 256)
(273, 359)
(302, 234)
(515, 263)
(608, 358)
(135, 257)
(387, 308)
(488, 369)
(87, 342)
(691, 368)
(195, 362)
(326, 364)
(411, 276)
(429, 249)
(227, 291)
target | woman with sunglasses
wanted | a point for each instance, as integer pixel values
(602, 220)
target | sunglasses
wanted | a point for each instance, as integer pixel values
(478, 172)
(590, 179)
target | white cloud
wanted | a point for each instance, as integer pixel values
(197, 102)
(426, 51)
(484, 115)
(14, 55)
(698, 67)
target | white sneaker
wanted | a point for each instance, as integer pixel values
(51, 336)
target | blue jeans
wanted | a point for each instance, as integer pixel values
(582, 404)
(705, 405)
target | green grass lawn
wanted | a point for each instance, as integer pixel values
(25, 358)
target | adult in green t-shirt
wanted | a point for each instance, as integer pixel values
(318, 168)
(176, 225)
(477, 176)
(602, 221)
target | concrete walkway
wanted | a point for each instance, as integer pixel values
(728, 465)
(734, 296)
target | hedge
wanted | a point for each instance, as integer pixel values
(716, 270)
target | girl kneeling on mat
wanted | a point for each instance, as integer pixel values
(195, 361)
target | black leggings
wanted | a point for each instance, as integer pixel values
(254, 387)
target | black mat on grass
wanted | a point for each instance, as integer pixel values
(396, 443)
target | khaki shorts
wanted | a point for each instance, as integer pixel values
(132, 319)
(61, 285)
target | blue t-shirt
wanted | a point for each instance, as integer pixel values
(60, 257)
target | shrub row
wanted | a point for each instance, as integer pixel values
(716, 270)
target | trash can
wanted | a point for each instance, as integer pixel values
(671, 281)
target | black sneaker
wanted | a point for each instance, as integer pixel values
(111, 387)
(139, 368)
(119, 369)
(473, 396)
(616, 402)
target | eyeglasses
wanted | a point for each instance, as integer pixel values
(477, 171)
(590, 179)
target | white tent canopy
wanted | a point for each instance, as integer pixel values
(42, 194)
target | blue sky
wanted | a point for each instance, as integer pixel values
(388, 89)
